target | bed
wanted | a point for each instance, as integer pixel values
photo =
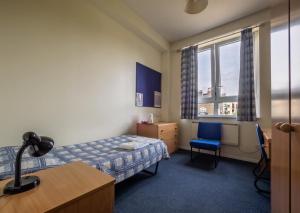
(104, 155)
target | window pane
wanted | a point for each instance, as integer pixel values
(206, 109)
(229, 55)
(228, 108)
(204, 73)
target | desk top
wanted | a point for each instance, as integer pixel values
(267, 135)
(59, 185)
(268, 140)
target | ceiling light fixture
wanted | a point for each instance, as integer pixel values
(195, 6)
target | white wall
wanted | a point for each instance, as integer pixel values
(68, 71)
(247, 149)
(119, 11)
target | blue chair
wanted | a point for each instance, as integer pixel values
(209, 138)
(264, 163)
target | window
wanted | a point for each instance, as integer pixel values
(218, 78)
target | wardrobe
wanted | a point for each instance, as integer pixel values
(285, 72)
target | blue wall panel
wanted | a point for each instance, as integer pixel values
(147, 81)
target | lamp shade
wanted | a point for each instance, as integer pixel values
(195, 6)
(42, 148)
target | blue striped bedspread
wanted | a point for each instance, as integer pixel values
(104, 155)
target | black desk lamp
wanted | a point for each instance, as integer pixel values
(37, 146)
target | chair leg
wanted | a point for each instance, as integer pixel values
(257, 167)
(216, 161)
(262, 167)
(259, 177)
(191, 153)
(259, 189)
(217, 157)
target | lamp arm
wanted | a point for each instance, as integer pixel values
(18, 165)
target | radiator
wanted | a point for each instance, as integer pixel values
(230, 133)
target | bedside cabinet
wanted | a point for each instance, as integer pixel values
(167, 132)
(71, 188)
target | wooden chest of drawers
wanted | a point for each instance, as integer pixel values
(167, 132)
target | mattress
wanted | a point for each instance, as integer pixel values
(104, 155)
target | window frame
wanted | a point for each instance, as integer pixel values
(216, 97)
(209, 99)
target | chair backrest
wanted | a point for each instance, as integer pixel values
(261, 142)
(211, 131)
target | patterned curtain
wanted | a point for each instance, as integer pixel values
(189, 83)
(246, 98)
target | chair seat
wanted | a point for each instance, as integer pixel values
(205, 144)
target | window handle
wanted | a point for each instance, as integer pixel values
(216, 89)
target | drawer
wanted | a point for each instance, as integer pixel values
(170, 140)
(171, 145)
(169, 137)
(167, 131)
(168, 127)
(147, 130)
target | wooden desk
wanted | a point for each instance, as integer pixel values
(71, 188)
(268, 140)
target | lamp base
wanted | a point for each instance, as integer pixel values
(27, 183)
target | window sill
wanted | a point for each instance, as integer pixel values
(217, 116)
(225, 117)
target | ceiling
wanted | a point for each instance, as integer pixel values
(168, 18)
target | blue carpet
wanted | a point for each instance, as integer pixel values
(182, 186)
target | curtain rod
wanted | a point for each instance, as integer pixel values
(217, 38)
